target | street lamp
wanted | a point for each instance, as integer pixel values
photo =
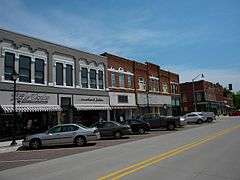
(15, 76)
(194, 96)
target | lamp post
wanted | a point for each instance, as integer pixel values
(194, 96)
(15, 76)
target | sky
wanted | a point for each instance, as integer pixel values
(186, 37)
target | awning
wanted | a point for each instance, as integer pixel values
(31, 108)
(81, 107)
(124, 107)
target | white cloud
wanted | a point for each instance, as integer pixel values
(223, 76)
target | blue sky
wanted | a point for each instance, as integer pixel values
(188, 37)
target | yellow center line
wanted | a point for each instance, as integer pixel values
(155, 159)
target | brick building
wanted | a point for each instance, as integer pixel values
(144, 86)
(121, 87)
(208, 97)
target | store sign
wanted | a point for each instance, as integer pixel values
(31, 98)
(27, 98)
(94, 100)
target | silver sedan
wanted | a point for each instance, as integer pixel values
(62, 135)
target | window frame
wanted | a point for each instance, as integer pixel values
(56, 75)
(29, 69)
(71, 73)
(91, 79)
(43, 71)
(100, 79)
(13, 65)
(87, 82)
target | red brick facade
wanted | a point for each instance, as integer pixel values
(208, 97)
(151, 84)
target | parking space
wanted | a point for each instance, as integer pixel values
(24, 157)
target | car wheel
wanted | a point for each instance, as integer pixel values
(117, 135)
(170, 127)
(80, 141)
(210, 119)
(141, 131)
(35, 144)
(199, 121)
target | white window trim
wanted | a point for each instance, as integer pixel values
(64, 62)
(33, 56)
(154, 78)
(120, 70)
(90, 66)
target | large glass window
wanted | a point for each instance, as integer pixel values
(24, 69)
(113, 77)
(84, 77)
(93, 80)
(122, 99)
(69, 75)
(59, 74)
(100, 79)
(39, 71)
(130, 81)
(121, 80)
(9, 63)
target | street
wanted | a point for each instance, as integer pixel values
(207, 151)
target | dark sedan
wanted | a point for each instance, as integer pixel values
(138, 126)
(112, 129)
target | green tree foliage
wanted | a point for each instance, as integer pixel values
(236, 100)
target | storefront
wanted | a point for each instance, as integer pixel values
(90, 109)
(123, 105)
(154, 103)
(36, 112)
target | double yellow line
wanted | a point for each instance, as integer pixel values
(156, 159)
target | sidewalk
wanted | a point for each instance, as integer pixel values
(5, 146)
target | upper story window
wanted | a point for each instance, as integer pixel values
(130, 81)
(100, 79)
(39, 71)
(9, 65)
(59, 74)
(84, 77)
(69, 75)
(165, 88)
(154, 85)
(113, 78)
(93, 79)
(24, 69)
(121, 80)
(141, 83)
(174, 88)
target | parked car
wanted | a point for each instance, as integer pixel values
(62, 135)
(208, 116)
(157, 121)
(194, 117)
(138, 126)
(112, 129)
(235, 113)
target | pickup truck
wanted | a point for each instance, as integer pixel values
(157, 121)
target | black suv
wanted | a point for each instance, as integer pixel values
(158, 121)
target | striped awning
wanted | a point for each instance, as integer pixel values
(81, 107)
(124, 107)
(31, 108)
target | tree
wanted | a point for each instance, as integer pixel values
(236, 100)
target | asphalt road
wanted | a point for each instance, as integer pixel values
(207, 152)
